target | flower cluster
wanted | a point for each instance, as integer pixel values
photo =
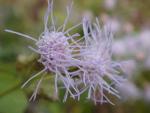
(93, 70)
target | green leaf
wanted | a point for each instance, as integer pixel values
(14, 102)
(12, 98)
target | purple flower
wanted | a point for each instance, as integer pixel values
(56, 52)
(98, 73)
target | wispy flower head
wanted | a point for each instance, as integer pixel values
(90, 57)
(55, 50)
(98, 71)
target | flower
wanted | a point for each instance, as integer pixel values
(56, 52)
(110, 4)
(99, 74)
(81, 65)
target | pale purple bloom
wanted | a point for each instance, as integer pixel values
(98, 73)
(110, 4)
(129, 90)
(112, 22)
(56, 52)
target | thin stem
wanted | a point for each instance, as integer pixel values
(15, 87)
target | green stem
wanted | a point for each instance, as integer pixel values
(15, 87)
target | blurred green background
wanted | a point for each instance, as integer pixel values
(17, 62)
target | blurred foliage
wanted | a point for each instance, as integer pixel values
(17, 62)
